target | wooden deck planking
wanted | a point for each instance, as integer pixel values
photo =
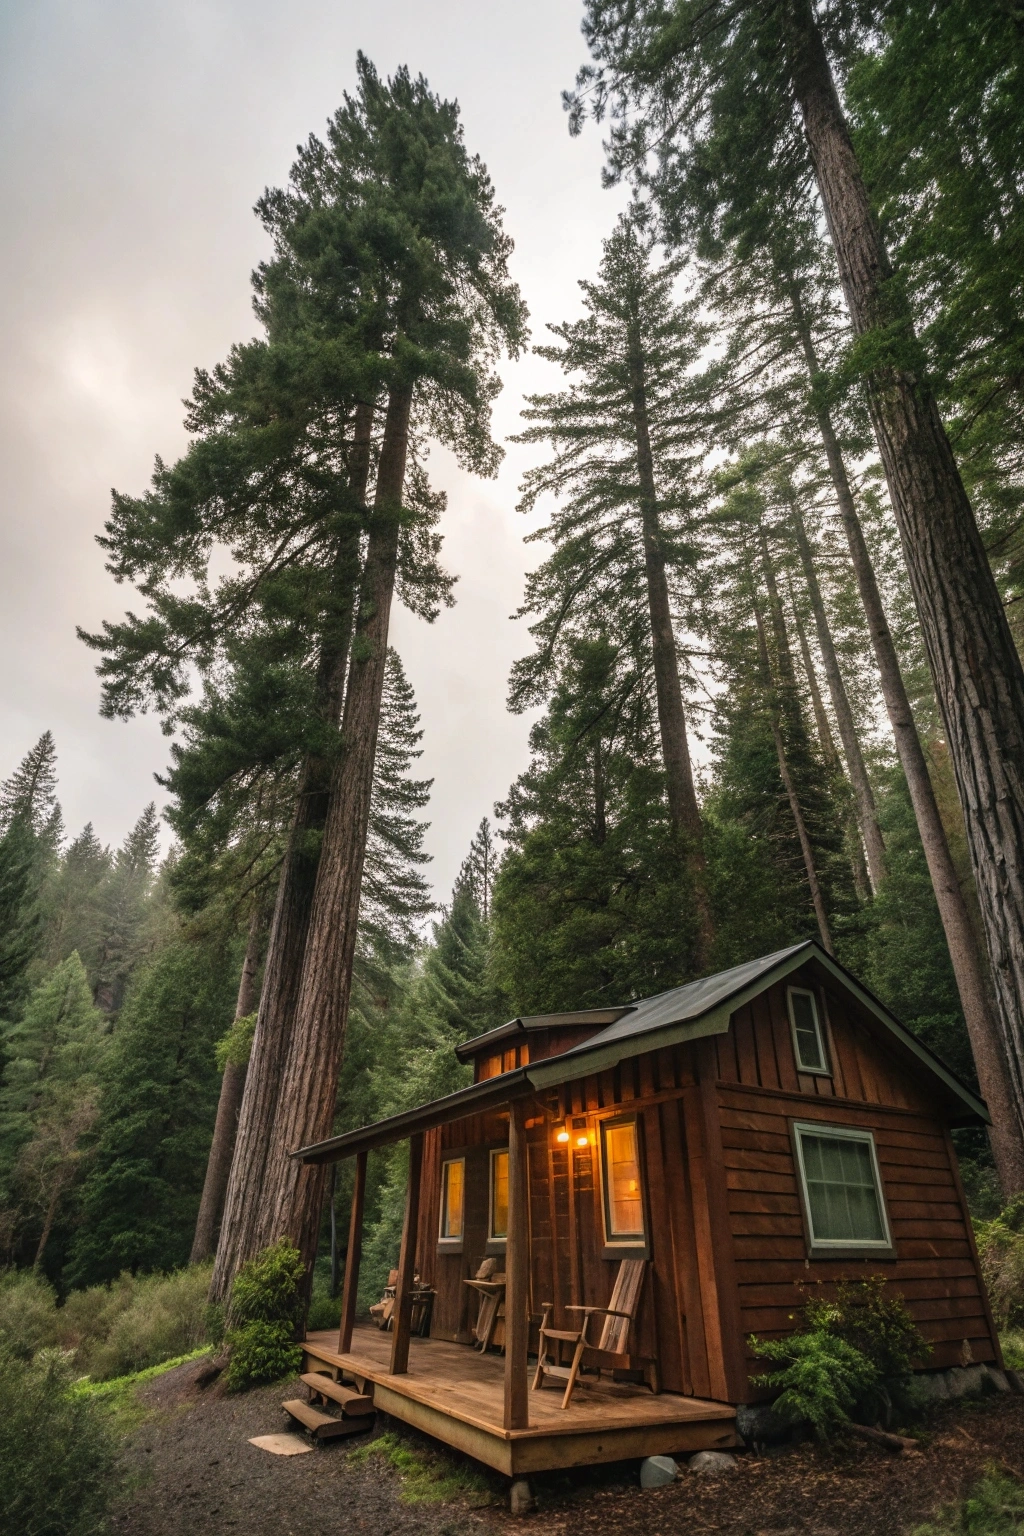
(457, 1395)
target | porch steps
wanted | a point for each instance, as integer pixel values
(354, 1405)
(324, 1426)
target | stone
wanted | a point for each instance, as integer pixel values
(712, 1463)
(520, 1499)
(1015, 1381)
(930, 1387)
(658, 1472)
(996, 1380)
(966, 1380)
(757, 1423)
(282, 1445)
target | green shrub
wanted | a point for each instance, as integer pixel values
(235, 1048)
(1012, 1340)
(57, 1468)
(994, 1507)
(324, 1309)
(821, 1378)
(266, 1305)
(109, 1330)
(1001, 1250)
(28, 1312)
(855, 1356)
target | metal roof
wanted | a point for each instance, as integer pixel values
(698, 1009)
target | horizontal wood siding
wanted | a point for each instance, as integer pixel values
(760, 1093)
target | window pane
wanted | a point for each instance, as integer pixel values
(622, 1178)
(499, 1194)
(809, 1052)
(453, 1198)
(841, 1190)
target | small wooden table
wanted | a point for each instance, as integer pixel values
(492, 1298)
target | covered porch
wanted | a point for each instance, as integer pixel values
(457, 1395)
(482, 1403)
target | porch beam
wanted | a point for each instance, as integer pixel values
(407, 1261)
(352, 1257)
(517, 1276)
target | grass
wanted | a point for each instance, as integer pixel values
(994, 1507)
(1012, 1341)
(118, 1397)
(428, 1477)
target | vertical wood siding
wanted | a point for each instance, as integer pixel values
(727, 1245)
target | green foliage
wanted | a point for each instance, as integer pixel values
(118, 1397)
(1001, 1251)
(994, 1507)
(820, 1378)
(159, 1099)
(234, 1048)
(57, 1451)
(108, 1330)
(855, 1355)
(265, 1308)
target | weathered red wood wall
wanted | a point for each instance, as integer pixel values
(727, 1238)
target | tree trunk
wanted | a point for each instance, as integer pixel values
(863, 794)
(980, 1016)
(290, 1197)
(830, 752)
(977, 673)
(817, 898)
(232, 1087)
(682, 797)
(282, 973)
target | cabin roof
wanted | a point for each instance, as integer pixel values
(690, 1012)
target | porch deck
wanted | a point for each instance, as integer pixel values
(457, 1395)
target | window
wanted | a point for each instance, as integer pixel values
(842, 1188)
(808, 1040)
(623, 1199)
(453, 1200)
(498, 1227)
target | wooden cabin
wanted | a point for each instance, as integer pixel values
(745, 1137)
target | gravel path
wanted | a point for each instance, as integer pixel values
(192, 1473)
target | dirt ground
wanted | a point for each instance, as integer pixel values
(191, 1471)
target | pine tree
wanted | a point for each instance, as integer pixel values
(30, 794)
(451, 308)
(479, 868)
(20, 918)
(740, 163)
(624, 454)
(72, 900)
(121, 900)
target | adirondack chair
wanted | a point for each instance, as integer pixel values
(490, 1285)
(611, 1351)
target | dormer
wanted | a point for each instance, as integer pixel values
(533, 1037)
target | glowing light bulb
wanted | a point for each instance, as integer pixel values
(581, 1141)
(562, 1136)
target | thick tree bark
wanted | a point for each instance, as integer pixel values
(232, 1087)
(290, 1196)
(796, 809)
(863, 794)
(977, 673)
(282, 973)
(675, 748)
(979, 1014)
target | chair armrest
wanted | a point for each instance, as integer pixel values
(588, 1310)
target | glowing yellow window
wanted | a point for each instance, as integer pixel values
(623, 1200)
(499, 1194)
(453, 1199)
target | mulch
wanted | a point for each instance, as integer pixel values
(190, 1470)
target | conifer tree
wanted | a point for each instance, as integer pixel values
(624, 454)
(738, 163)
(121, 900)
(30, 794)
(450, 307)
(20, 918)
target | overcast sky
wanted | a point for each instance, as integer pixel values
(135, 140)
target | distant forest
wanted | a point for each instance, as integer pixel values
(780, 476)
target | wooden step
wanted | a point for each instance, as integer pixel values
(321, 1425)
(354, 1405)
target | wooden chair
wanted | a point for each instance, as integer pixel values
(382, 1310)
(491, 1288)
(611, 1351)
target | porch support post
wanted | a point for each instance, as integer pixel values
(517, 1275)
(407, 1261)
(352, 1257)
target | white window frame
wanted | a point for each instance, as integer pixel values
(618, 1240)
(444, 1241)
(826, 1069)
(821, 1247)
(494, 1239)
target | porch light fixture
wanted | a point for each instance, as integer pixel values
(563, 1135)
(583, 1141)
